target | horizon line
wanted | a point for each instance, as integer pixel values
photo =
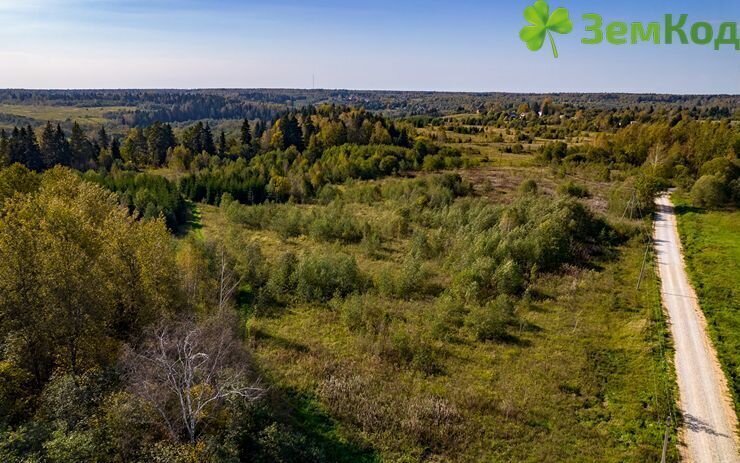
(370, 90)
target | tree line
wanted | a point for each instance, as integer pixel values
(702, 157)
(290, 157)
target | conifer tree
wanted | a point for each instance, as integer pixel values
(81, 148)
(207, 140)
(65, 155)
(103, 138)
(259, 130)
(222, 149)
(246, 135)
(4, 149)
(115, 149)
(30, 153)
(160, 139)
(48, 145)
(293, 134)
(135, 148)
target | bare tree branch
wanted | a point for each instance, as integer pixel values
(184, 370)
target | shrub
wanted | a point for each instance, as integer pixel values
(288, 222)
(420, 246)
(404, 282)
(282, 279)
(433, 162)
(528, 187)
(365, 314)
(334, 224)
(278, 444)
(490, 322)
(449, 317)
(320, 277)
(372, 243)
(412, 349)
(554, 151)
(573, 189)
(709, 191)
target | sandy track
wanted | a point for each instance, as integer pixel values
(710, 422)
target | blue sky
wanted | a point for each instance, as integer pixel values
(466, 45)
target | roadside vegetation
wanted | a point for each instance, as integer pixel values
(711, 245)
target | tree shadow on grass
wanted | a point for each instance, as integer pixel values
(291, 426)
(194, 222)
(683, 209)
(260, 335)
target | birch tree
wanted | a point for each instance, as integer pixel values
(187, 370)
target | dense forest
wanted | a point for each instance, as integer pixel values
(287, 275)
(134, 108)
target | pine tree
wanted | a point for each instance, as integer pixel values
(103, 138)
(207, 140)
(222, 149)
(115, 149)
(30, 153)
(48, 146)
(259, 130)
(403, 138)
(15, 146)
(293, 134)
(246, 135)
(4, 148)
(65, 153)
(81, 148)
(160, 139)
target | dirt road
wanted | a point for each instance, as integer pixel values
(710, 420)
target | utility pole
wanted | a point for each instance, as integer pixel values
(642, 269)
(665, 440)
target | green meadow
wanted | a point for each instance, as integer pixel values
(711, 243)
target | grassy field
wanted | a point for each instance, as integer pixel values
(711, 243)
(581, 377)
(41, 113)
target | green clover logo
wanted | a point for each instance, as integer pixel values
(543, 23)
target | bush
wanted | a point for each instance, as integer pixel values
(278, 444)
(709, 191)
(449, 317)
(372, 243)
(404, 282)
(528, 187)
(334, 224)
(573, 189)
(412, 350)
(433, 162)
(281, 280)
(288, 222)
(490, 322)
(320, 277)
(365, 314)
